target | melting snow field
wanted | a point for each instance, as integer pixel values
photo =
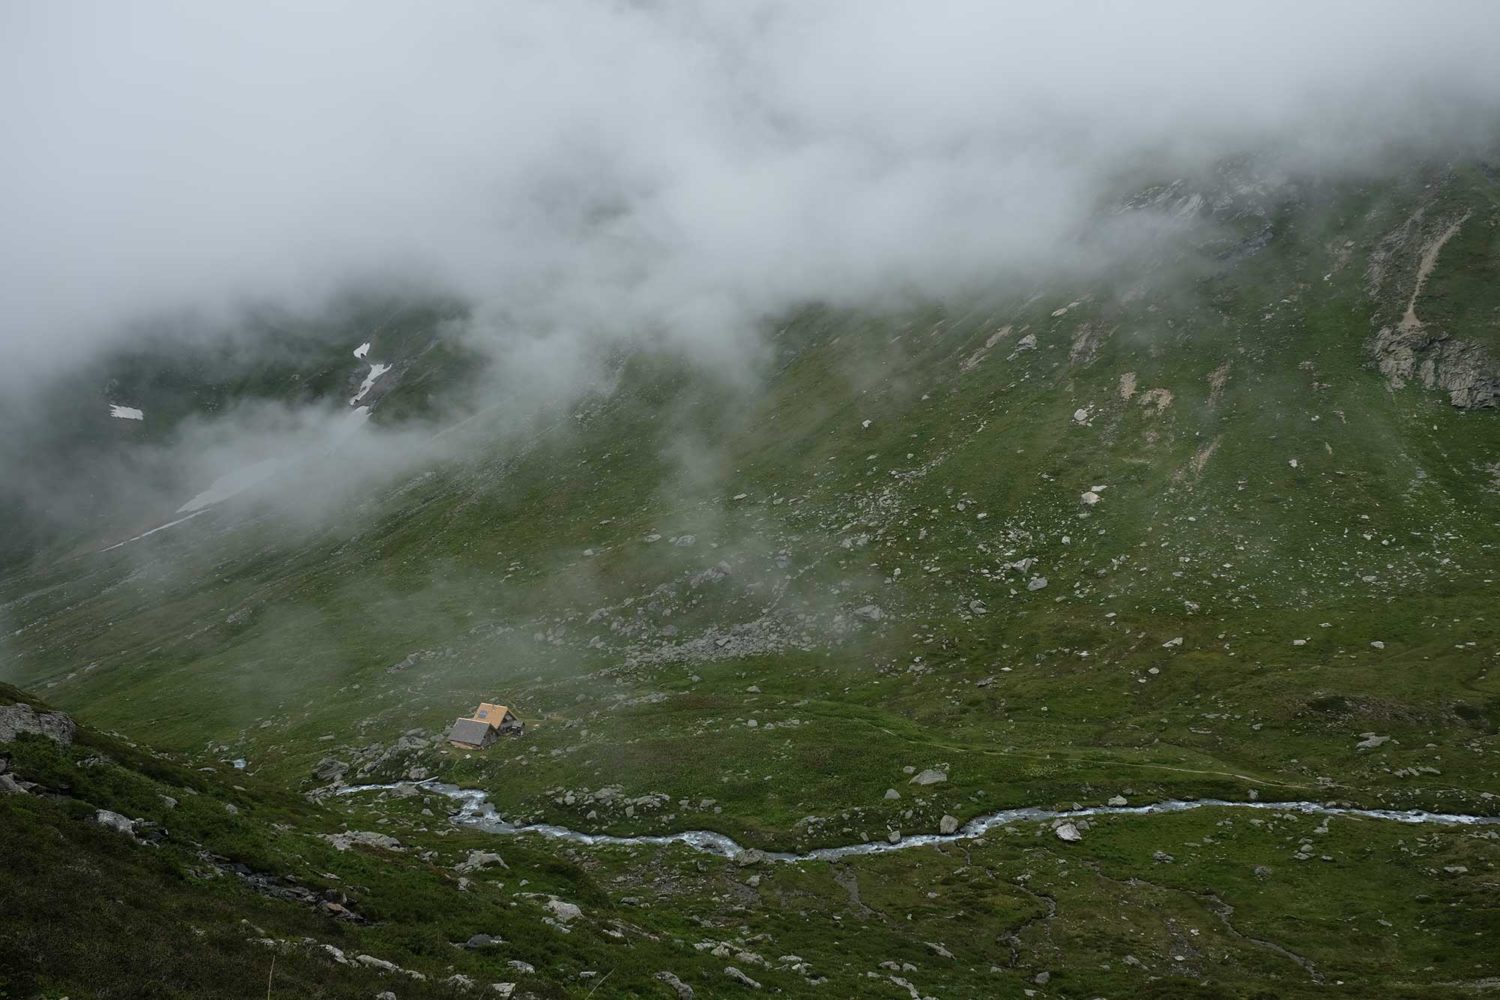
(229, 484)
(376, 370)
(362, 350)
(125, 412)
(160, 527)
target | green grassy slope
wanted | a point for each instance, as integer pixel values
(679, 557)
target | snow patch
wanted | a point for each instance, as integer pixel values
(125, 412)
(231, 483)
(376, 370)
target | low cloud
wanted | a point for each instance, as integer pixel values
(588, 172)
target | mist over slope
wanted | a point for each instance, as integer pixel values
(824, 426)
(583, 173)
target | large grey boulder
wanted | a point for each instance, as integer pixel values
(740, 977)
(563, 910)
(363, 838)
(931, 776)
(478, 860)
(114, 821)
(478, 941)
(17, 719)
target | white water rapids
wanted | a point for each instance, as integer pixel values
(476, 811)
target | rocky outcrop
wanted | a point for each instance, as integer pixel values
(1412, 350)
(19, 718)
(1465, 371)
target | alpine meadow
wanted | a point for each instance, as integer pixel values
(653, 499)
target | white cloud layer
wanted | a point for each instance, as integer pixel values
(683, 166)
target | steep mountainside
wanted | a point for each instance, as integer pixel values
(1223, 523)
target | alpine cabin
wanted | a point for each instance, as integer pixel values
(479, 730)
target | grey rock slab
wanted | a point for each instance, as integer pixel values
(17, 719)
(682, 989)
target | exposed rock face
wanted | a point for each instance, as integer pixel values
(1465, 371)
(1411, 350)
(17, 719)
(330, 769)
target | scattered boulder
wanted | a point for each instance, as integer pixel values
(948, 825)
(1371, 741)
(931, 776)
(892, 795)
(479, 941)
(682, 989)
(9, 785)
(362, 838)
(1068, 832)
(18, 718)
(1036, 583)
(740, 977)
(564, 911)
(938, 950)
(478, 860)
(1042, 978)
(525, 968)
(114, 821)
(870, 612)
(1118, 801)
